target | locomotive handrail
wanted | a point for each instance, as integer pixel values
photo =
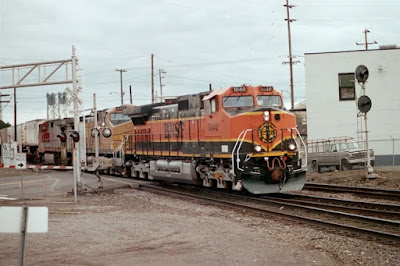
(119, 148)
(244, 132)
(297, 144)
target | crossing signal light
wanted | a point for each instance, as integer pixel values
(75, 136)
(62, 137)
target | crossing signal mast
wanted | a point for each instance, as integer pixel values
(48, 79)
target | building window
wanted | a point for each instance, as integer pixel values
(347, 91)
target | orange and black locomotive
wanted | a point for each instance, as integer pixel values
(234, 138)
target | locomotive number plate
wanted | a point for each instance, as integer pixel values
(239, 89)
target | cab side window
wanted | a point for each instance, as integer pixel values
(214, 105)
(211, 106)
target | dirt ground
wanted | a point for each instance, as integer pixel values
(135, 227)
(388, 177)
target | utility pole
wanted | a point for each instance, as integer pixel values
(291, 62)
(1, 107)
(366, 31)
(130, 92)
(15, 115)
(152, 79)
(161, 71)
(122, 91)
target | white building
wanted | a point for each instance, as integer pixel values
(332, 98)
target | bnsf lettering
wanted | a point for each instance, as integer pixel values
(142, 135)
(173, 130)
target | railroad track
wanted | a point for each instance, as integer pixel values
(365, 192)
(386, 231)
(380, 210)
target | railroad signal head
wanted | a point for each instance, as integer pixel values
(62, 137)
(75, 136)
(364, 104)
(362, 73)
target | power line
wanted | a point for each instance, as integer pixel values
(377, 6)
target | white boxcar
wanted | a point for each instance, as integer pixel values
(27, 135)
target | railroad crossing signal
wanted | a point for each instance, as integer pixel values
(75, 136)
(74, 96)
(62, 137)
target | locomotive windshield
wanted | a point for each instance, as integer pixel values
(118, 118)
(269, 100)
(237, 101)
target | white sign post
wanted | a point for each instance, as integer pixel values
(20, 161)
(23, 220)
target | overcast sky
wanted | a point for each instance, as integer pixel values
(196, 42)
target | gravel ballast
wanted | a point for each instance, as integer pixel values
(135, 227)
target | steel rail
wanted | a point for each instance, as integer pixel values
(357, 190)
(337, 207)
(371, 205)
(298, 218)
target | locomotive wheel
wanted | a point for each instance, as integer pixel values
(145, 175)
(128, 171)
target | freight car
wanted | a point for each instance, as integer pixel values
(27, 137)
(238, 137)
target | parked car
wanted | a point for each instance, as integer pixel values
(342, 153)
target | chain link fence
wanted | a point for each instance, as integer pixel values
(387, 151)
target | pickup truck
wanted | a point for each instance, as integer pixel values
(341, 154)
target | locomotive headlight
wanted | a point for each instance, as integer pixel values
(292, 146)
(266, 116)
(257, 148)
(107, 132)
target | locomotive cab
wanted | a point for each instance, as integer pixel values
(267, 153)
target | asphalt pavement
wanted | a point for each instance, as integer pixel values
(40, 184)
